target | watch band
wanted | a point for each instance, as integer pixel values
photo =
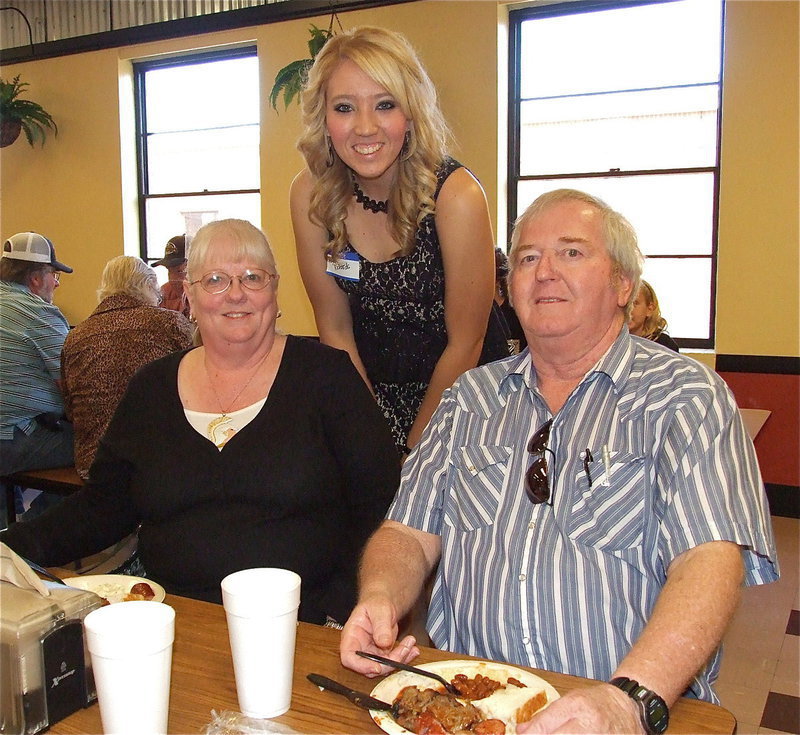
(652, 708)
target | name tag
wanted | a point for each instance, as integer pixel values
(348, 266)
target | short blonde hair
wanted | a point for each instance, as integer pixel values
(390, 60)
(131, 277)
(618, 234)
(250, 244)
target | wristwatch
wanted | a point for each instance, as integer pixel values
(653, 709)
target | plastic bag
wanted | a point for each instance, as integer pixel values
(235, 723)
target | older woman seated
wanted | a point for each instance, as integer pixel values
(256, 449)
(100, 356)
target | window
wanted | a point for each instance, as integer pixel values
(622, 100)
(198, 143)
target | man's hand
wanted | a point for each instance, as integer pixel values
(601, 708)
(372, 627)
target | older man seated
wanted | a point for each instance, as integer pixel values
(33, 434)
(593, 504)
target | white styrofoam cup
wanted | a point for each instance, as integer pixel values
(130, 644)
(261, 610)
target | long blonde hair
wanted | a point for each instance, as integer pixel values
(388, 58)
(654, 324)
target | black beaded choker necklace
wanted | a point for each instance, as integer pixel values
(371, 205)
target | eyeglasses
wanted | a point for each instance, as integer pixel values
(217, 282)
(56, 275)
(536, 485)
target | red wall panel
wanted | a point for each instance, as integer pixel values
(778, 442)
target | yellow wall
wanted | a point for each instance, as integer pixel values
(73, 189)
(759, 258)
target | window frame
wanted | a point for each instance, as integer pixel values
(514, 176)
(140, 69)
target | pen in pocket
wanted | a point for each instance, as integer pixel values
(607, 463)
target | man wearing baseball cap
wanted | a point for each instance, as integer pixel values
(174, 260)
(33, 433)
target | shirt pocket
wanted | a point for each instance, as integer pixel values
(479, 477)
(609, 515)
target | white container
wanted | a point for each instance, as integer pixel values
(131, 648)
(261, 610)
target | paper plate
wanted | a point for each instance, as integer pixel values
(113, 587)
(388, 688)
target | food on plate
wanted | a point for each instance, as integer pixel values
(477, 687)
(513, 705)
(140, 591)
(112, 592)
(434, 712)
(485, 706)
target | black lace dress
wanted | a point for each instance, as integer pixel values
(398, 322)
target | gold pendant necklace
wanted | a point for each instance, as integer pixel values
(219, 429)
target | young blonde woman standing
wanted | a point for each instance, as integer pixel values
(394, 240)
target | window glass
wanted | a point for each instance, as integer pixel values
(173, 215)
(686, 309)
(198, 119)
(651, 204)
(621, 100)
(212, 160)
(634, 47)
(667, 128)
(214, 94)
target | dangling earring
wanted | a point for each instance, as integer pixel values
(279, 314)
(405, 149)
(331, 159)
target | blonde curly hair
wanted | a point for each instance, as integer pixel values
(388, 58)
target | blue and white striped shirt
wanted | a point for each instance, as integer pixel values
(569, 586)
(32, 333)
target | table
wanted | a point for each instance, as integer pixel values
(754, 419)
(59, 480)
(202, 680)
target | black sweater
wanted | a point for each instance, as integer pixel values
(300, 487)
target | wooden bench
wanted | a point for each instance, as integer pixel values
(60, 480)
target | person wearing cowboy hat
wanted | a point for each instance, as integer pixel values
(174, 261)
(33, 432)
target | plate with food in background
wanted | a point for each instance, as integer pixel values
(494, 698)
(118, 587)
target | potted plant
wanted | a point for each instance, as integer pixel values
(292, 77)
(22, 115)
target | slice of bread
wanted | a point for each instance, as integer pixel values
(512, 704)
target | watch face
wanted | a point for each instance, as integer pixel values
(657, 713)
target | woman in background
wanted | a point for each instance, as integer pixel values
(646, 320)
(394, 240)
(100, 356)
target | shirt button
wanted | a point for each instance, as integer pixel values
(526, 640)
(531, 525)
(522, 577)
(471, 468)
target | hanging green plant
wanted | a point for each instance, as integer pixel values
(22, 115)
(292, 77)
